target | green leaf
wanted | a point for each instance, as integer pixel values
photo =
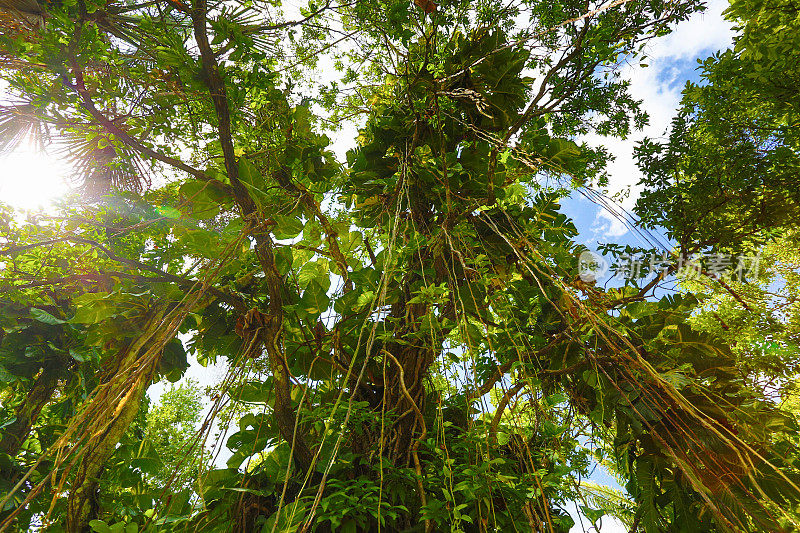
(276, 462)
(302, 119)
(592, 514)
(349, 526)
(45, 317)
(291, 517)
(6, 376)
(81, 355)
(641, 309)
(93, 307)
(202, 197)
(315, 271)
(283, 259)
(168, 212)
(286, 227)
(99, 526)
(315, 299)
(562, 151)
(253, 391)
(502, 438)
(249, 173)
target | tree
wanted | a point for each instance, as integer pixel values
(724, 181)
(763, 335)
(409, 345)
(172, 427)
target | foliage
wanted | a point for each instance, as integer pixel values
(408, 345)
(724, 180)
(172, 428)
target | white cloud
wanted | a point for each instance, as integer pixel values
(659, 88)
(706, 31)
(607, 225)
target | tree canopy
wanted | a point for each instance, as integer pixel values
(408, 341)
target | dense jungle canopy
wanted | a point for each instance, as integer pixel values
(409, 343)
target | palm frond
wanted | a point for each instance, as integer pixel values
(26, 12)
(614, 502)
(99, 165)
(18, 123)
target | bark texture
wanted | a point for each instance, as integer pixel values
(18, 431)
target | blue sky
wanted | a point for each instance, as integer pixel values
(672, 62)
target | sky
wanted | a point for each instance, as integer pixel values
(29, 178)
(672, 62)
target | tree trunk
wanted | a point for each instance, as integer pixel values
(17, 432)
(129, 383)
(82, 504)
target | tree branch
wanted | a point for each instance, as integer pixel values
(285, 416)
(122, 135)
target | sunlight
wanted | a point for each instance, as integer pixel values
(31, 179)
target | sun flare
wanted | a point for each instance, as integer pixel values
(31, 179)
